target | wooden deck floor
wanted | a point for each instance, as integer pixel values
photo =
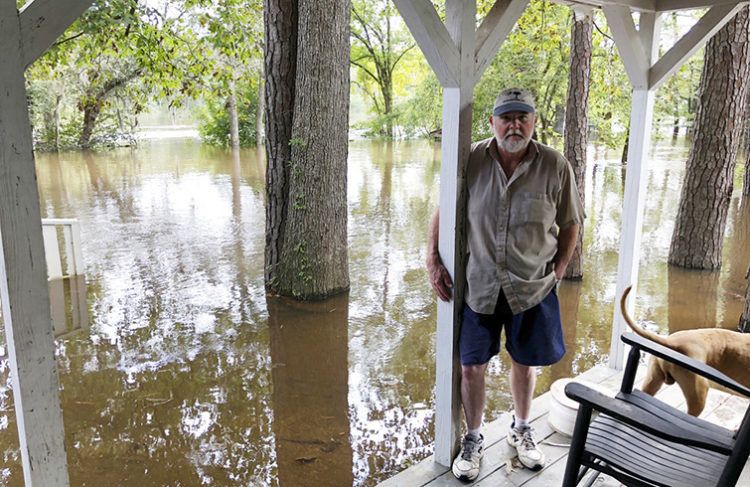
(499, 464)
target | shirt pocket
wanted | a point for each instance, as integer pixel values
(530, 207)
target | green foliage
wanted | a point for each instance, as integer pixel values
(214, 118)
(121, 54)
(380, 43)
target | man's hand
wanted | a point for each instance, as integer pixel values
(439, 278)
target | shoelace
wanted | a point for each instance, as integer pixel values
(468, 449)
(527, 441)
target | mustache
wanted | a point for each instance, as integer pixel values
(514, 132)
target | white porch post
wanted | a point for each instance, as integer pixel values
(638, 50)
(23, 282)
(24, 36)
(632, 214)
(456, 142)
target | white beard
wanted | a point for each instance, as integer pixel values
(514, 146)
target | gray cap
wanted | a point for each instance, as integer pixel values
(513, 100)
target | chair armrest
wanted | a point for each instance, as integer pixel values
(643, 419)
(683, 360)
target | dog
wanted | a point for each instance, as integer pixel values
(725, 350)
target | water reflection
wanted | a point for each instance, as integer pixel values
(189, 375)
(68, 306)
(309, 356)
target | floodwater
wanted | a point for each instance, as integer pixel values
(177, 369)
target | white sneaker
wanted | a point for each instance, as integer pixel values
(528, 453)
(466, 464)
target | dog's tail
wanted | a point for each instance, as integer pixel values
(637, 329)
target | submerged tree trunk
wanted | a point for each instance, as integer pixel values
(576, 117)
(234, 119)
(744, 326)
(306, 239)
(707, 189)
(93, 101)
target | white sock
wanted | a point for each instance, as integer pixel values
(520, 424)
(475, 433)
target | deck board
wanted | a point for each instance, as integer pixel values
(721, 408)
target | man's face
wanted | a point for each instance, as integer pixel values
(513, 130)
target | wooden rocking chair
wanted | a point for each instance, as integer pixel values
(643, 442)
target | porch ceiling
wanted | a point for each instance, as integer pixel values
(650, 5)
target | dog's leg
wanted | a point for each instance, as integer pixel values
(694, 388)
(654, 378)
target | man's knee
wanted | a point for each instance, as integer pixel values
(472, 373)
(520, 370)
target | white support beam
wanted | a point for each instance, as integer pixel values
(632, 215)
(23, 276)
(456, 142)
(671, 5)
(432, 37)
(697, 36)
(629, 44)
(494, 29)
(43, 21)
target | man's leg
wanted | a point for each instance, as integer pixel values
(522, 383)
(473, 394)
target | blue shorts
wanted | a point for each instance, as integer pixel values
(532, 337)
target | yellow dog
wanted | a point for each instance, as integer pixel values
(725, 350)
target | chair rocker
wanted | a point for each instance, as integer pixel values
(643, 442)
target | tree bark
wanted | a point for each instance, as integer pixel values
(746, 181)
(234, 119)
(707, 189)
(744, 325)
(311, 253)
(280, 59)
(576, 117)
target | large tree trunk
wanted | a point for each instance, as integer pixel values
(311, 260)
(699, 229)
(744, 326)
(234, 119)
(576, 117)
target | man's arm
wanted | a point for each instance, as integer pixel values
(566, 245)
(439, 278)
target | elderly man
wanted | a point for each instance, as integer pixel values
(523, 216)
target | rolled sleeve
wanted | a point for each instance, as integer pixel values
(569, 206)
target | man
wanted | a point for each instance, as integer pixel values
(523, 214)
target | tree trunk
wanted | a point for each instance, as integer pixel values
(259, 112)
(234, 119)
(93, 101)
(707, 189)
(280, 59)
(311, 252)
(576, 117)
(91, 110)
(744, 325)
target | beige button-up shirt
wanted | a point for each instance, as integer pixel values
(512, 225)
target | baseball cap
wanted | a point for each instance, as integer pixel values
(513, 100)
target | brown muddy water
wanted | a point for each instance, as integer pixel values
(177, 369)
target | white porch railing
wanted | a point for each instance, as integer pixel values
(71, 257)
